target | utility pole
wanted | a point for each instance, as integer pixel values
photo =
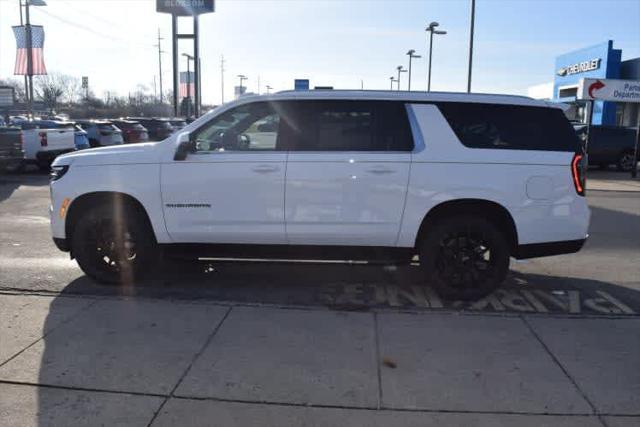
(222, 78)
(160, 52)
(473, 18)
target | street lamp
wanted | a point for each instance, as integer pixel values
(393, 80)
(189, 59)
(473, 18)
(432, 30)
(400, 69)
(269, 89)
(242, 78)
(412, 55)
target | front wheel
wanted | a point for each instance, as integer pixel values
(464, 257)
(113, 244)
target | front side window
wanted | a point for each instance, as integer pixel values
(249, 127)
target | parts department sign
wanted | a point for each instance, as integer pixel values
(185, 7)
(609, 90)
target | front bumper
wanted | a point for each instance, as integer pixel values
(62, 244)
(536, 250)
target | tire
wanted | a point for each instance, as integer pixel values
(447, 254)
(625, 161)
(44, 166)
(114, 247)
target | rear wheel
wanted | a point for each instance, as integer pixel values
(112, 243)
(464, 257)
(625, 161)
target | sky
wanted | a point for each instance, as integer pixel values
(339, 43)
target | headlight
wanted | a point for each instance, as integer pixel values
(58, 172)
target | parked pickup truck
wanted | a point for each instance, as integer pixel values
(41, 145)
(11, 154)
(609, 145)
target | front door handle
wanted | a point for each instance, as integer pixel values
(265, 169)
(380, 170)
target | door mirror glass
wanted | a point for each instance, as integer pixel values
(186, 145)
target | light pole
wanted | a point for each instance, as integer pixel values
(432, 30)
(242, 78)
(268, 89)
(473, 18)
(392, 80)
(189, 59)
(400, 69)
(29, 93)
(412, 55)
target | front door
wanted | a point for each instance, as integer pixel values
(347, 173)
(231, 190)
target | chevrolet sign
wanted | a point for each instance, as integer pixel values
(580, 67)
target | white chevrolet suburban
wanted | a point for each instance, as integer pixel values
(464, 181)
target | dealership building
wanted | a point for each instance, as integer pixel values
(601, 61)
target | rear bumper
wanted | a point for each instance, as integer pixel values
(536, 250)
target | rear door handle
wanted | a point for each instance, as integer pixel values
(265, 169)
(380, 170)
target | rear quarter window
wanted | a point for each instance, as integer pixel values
(510, 127)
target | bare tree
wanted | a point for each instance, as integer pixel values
(55, 87)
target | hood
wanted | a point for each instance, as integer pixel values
(114, 155)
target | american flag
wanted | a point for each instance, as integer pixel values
(37, 44)
(184, 78)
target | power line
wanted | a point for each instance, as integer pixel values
(76, 25)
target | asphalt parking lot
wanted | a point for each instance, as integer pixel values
(257, 343)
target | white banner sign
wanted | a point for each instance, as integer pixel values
(609, 90)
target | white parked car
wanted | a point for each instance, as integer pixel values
(463, 181)
(101, 133)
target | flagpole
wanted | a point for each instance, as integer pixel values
(29, 58)
(26, 80)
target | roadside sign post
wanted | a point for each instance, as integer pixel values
(612, 90)
(192, 8)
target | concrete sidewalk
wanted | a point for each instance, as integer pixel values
(85, 361)
(612, 181)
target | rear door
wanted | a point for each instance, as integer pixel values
(347, 173)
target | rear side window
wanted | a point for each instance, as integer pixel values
(510, 127)
(349, 126)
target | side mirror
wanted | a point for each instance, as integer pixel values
(185, 146)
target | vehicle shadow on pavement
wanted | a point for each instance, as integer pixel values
(363, 287)
(9, 182)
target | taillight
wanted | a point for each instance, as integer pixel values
(43, 139)
(579, 173)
